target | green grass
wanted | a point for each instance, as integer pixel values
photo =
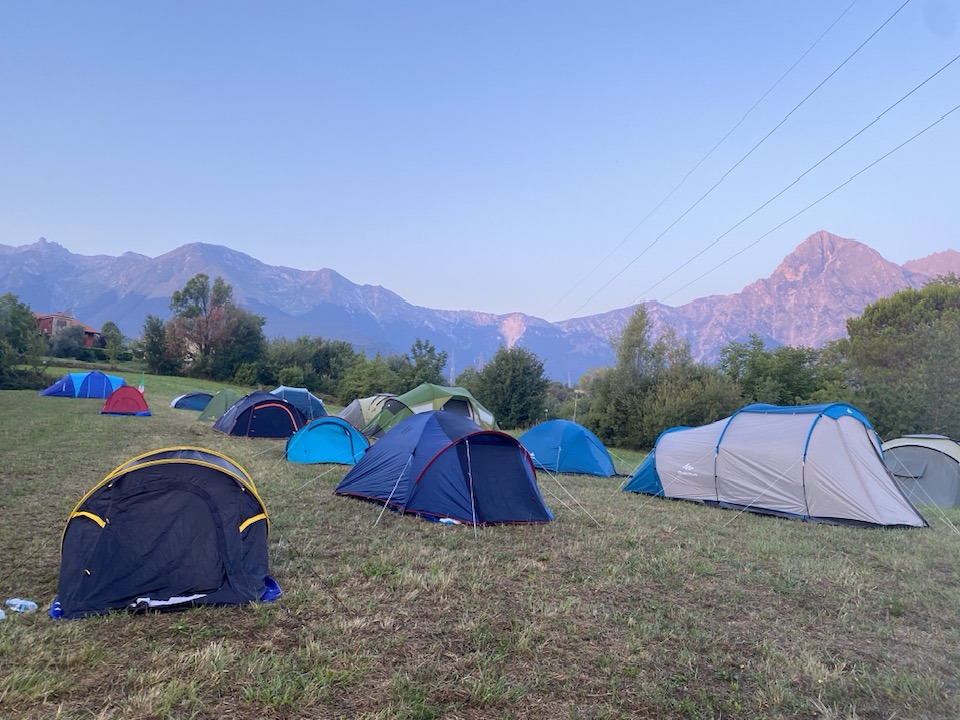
(626, 607)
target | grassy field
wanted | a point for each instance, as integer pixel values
(625, 607)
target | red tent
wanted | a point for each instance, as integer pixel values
(126, 400)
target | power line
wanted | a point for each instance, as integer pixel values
(742, 159)
(798, 179)
(703, 159)
(818, 200)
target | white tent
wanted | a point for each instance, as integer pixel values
(813, 462)
(927, 467)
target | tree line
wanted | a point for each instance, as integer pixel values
(898, 364)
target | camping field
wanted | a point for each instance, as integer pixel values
(625, 607)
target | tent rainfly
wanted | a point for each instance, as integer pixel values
(93, 384)
(927, 467)
(126, 400)
(327, 440)
(261, 415)
(424, 398)
(221, 401)
(362, 410)
(444, 467)
(309, 404)
(170, 529)
(564, 446)
(818, 463)
(191, 401)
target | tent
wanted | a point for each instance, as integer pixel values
(426, 397)
(126, 400)
(309, 404)
(170, 529)
(93, 384)
(445, 467)
(261, 414)
(819, 463)
(191, 401)
(362, 410)
(927, 467)
(327, 440)
(564, 446)
(221, 401)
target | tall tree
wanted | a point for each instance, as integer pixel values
(424, 364)
(513, 387)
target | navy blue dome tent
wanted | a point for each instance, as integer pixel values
(564, 446)
(327, 439)
(191, 401)
(261, 414)
(167, 530)
(443, 466)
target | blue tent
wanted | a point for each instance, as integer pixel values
(309, 404)
(261, 414)
(93, 384)
(567, 447)
(327, 440)
(443, 466)
(191, 401)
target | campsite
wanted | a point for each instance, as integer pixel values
(623, 606)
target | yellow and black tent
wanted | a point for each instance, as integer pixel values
(166, 530)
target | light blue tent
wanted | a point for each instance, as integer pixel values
(93, 384)
(327, 440)
(306, 402)
(564, 446)
(818, 463)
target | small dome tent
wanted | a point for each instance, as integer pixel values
(444, 467)
(819, 463)
(261, 414)
(564, 446)
(927, 467)
(362, 410)
(327, 440)
(93, 384)
(309, 404)
(126, 400)
(426, 397)
(191, 401)
(169, 529)
(221, 401)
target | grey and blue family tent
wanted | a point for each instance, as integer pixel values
(309, 404)
(327, 440)
(126, 400)
(362, 410)
(170, 529)
(261, 415)
(191, 401)
(93, 384)
(445, 467)
(927, 467)
(819, 463)
(221, 401)
(425, 398)
(564, 446)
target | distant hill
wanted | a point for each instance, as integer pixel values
(806, 301)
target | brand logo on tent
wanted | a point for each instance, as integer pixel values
(687, 470)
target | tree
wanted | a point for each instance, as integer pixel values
(513, 387)
(68, 342)
(423, 365)
(155, 347)
(111, 340)
(368, 377)
(20, 341)
(783, 376)
(199, 313)
(238, 341)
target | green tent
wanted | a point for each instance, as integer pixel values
(427, 397)
(219, 404)
(361, 411)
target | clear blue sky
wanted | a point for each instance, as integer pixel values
(481, 155)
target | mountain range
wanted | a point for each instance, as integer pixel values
(806, 301)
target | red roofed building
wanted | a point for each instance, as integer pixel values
(52, 323)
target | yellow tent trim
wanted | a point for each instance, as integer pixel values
(250, 521)
(96, 518)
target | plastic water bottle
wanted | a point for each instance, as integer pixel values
(21, 606)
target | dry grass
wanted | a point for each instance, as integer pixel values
(658, 609)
